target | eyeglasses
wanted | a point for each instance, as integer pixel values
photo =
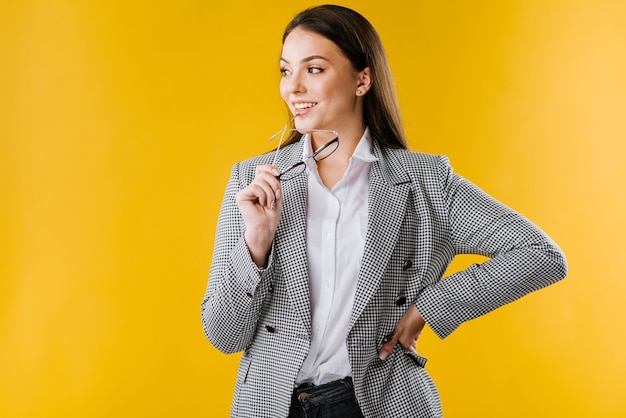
(322, 152)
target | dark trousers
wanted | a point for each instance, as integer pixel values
(330, 400)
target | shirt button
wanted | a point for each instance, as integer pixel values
(329, 237)
(303, 397)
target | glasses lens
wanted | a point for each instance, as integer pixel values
(326, 150)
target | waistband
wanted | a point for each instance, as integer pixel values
(334, 391)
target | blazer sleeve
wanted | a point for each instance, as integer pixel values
(237, 287)
(522, 258)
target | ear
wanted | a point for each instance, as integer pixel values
(364, 81)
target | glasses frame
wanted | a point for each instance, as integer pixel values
(314, 155)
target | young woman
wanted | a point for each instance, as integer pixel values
(330, 251)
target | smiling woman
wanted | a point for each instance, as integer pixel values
(326, 282)
(120, 121)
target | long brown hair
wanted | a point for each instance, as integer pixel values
(359, 42)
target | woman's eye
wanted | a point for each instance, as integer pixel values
(284, 72)
(315, 70)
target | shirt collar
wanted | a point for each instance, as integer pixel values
(364, 150)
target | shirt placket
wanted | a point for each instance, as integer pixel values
(329, 262)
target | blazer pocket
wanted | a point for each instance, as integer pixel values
(244, 367)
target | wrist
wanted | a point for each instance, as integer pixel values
(258, 246)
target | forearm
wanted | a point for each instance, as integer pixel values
(233, 301)
(482, 288)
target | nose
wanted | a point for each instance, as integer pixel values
(293, 83)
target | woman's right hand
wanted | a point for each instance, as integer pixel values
(260, 205)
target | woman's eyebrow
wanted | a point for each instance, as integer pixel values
(306, 59)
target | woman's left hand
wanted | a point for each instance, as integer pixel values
(407, 331)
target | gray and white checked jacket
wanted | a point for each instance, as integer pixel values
(421, 215)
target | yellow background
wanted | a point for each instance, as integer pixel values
(119, 121)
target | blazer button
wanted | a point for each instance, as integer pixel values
(400, 300)
(407, 265)
(249, 295)
(270, 329)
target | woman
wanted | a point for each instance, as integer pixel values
(326, 271)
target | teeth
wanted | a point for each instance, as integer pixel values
(304, 105)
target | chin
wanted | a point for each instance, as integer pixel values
(310, 124)
(300, 126)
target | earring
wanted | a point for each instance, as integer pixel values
(358, 92)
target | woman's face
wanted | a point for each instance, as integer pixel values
(319, 84)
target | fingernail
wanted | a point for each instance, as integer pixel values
(278, 193)
(273, 204)
(383, 355)
(275, 171)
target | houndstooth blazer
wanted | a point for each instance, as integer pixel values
(421, 215)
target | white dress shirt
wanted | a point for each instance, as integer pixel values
(336, 227)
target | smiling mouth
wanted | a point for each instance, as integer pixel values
(304, 106)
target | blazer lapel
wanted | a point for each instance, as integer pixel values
(389, 187)
(290, 240)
